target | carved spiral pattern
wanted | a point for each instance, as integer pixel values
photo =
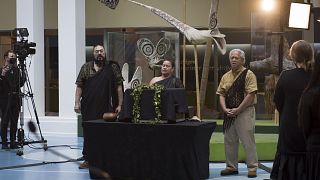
(135, 83)
(148, 49)
(154, 54)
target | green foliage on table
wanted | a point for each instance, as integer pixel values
(136, 94)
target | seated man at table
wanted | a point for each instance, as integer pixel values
(167, 78)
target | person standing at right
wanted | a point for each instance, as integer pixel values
(291, 83)
(309, 119)
(237, 94)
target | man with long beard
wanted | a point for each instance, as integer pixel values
(98, 90)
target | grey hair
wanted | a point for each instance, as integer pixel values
(242, 54)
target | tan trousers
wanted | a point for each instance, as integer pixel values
(243, 129)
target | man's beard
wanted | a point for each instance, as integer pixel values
(99, 61)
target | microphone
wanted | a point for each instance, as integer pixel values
(32, 127)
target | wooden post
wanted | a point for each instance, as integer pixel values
(205, 73)
(196, 67)
(184, 47)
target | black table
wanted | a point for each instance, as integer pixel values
(160, 151)
(173, 100)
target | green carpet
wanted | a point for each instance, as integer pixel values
(266, 147)
(266, 142)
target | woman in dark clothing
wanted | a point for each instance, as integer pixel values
(167, 78)
(291, 84)
(309, 119)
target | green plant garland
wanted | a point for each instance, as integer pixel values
(136, 94)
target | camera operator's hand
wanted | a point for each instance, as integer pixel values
(5, 69)
(77, 108)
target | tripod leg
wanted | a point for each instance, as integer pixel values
(30, 94)
(20, 141)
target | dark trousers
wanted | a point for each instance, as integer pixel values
(10, 108)
(84, 149)
(276, 164)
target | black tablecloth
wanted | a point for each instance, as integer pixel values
(172, 101)
(161, 151)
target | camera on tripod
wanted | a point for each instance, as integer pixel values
(22, 48)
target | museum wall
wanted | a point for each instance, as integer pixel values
(130, 15)
(7, 14)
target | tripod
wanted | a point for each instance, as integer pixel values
(21, 139)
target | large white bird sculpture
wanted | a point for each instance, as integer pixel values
(193, 35)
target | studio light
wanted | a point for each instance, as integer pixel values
(267, 5)
(299, 16)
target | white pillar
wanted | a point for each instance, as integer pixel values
(30, 15)
(71, 36)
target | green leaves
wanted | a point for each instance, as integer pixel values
(136, 94)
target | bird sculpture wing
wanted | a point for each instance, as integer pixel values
(110, 3)
(218, 38)
(136, 78)
(193, 35)
(125, 75)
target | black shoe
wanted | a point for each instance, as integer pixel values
(5, 146)
(14, 145)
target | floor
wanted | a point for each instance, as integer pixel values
(59, 162)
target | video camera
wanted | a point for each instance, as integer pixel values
(22, 48)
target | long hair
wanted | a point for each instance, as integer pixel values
(313, 83)
(315, 76)
(301, 52)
